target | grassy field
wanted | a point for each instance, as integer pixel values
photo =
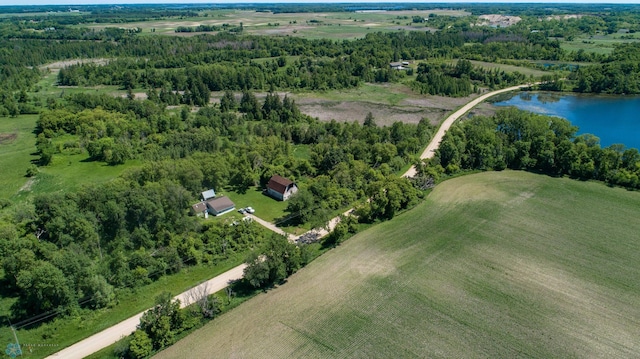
(17, 143)
(388, 103)
(508, 68)
(47, 87)
(492, 265)
(67, 170)
(388, 94)
(601, 43)
(339, 25)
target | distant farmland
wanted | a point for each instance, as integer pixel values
(492, 265)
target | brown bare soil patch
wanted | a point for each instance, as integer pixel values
(498, 20)
(7, 137)
(348, 111)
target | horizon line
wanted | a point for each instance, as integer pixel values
(309, 2)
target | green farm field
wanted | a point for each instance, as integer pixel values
(492, 265)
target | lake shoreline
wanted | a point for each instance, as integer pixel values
(612, 118)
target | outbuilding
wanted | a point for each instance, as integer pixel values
(220, 205)
(396, 65)
(208, 194)
(199, 209)
(281, 188)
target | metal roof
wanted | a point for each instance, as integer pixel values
(220, 204)
(208, 194)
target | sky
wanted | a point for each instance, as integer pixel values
(95, 2)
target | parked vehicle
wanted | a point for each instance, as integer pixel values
(250, 210)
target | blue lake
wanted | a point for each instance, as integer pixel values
(614, 119)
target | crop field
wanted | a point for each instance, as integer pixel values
(334, 25)
(492, 265)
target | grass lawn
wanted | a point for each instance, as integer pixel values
(17, 143)
(51, 337)
(492, 265)
(266, 207)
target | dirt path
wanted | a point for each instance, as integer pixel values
(113, 334)
(270, 226)
(446, 124)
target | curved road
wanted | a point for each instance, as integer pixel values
(446, 124)
(112, 334)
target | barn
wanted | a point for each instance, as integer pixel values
(281, 188)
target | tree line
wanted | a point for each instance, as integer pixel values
(460, 79)
(227, 61)
(521, 140)
(619, 74)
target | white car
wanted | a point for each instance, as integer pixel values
(250, 210)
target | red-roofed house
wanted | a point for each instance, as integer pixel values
(281, 188)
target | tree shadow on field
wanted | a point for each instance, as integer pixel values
(243, 289)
